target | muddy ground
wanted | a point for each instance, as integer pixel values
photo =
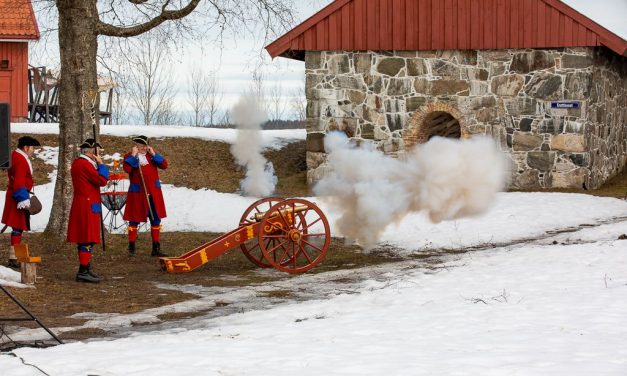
(129, 283)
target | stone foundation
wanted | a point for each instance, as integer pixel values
(388, 98)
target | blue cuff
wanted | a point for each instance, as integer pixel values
(133, 161)
(21, 195)
(158, 158)
(103, 171)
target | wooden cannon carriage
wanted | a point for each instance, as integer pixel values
(291, 235)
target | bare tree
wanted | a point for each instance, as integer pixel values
(276, 101)
(298, 103)
(150, 82)
(119, 107)
(204, 97)
(80, 25)
(257, 87)
(215, 98)
(226, 119)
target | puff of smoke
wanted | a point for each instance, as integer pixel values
(259, 180)
(447, 178)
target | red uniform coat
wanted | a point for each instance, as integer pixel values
(84, 225)
(20, 183)
(136, 209)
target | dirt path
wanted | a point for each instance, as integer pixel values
(134, 286)
(137, 297)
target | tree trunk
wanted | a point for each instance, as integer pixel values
(78, 45)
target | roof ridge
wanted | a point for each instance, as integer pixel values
(302, 37)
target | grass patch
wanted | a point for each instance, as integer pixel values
(129, 283)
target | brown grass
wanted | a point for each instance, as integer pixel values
(128, 285)
(198, 164)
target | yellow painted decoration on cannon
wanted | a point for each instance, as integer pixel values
(183, 265)
(203, 256)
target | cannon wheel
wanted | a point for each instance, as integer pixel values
(297, 248)
(251, 249)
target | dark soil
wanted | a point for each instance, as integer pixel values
(129, 283)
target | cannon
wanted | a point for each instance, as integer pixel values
(291, 235)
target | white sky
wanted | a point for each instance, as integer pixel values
(237, 59)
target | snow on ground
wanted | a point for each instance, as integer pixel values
(9, 277)
(525, 310)
(271, 138)
(514, 217)
(551, 306)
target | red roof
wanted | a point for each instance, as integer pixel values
(359, 25)
(17, 20)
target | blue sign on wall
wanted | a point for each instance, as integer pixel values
(565, 104)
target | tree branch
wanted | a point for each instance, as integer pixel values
(131, 31)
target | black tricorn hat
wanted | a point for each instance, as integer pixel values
(141, 140)
(27, 141)
(90, 143)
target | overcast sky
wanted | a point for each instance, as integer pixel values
(235, 62)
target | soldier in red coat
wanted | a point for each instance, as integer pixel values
(88, 175)
(144, 198)
(17, 201)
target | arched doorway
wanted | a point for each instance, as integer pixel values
(443, 124)
(434, 119)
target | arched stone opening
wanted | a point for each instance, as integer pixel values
(434, 119)
(443, 124)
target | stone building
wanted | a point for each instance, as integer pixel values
(548, 83)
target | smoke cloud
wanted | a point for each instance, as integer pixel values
(446, 178)
(248, 116)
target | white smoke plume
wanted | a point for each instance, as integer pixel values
(446, 178)
(248, 116)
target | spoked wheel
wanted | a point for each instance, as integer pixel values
(251, 249)
(301, 234)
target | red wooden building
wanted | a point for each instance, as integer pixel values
(546, 82)
(18, 26)
(377, 25)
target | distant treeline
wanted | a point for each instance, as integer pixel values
(270, 124)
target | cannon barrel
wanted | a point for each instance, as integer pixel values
(298, 208)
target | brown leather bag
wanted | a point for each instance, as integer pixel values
(35, 205)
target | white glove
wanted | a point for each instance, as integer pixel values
(24, 204)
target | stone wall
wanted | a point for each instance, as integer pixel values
(384, 97)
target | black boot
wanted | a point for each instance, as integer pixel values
(131, 249)
(91, 273)
(13, 264)
(83, 275)
(156, 250)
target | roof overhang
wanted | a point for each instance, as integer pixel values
(310, 36)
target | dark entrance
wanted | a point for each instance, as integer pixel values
(443, 124)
